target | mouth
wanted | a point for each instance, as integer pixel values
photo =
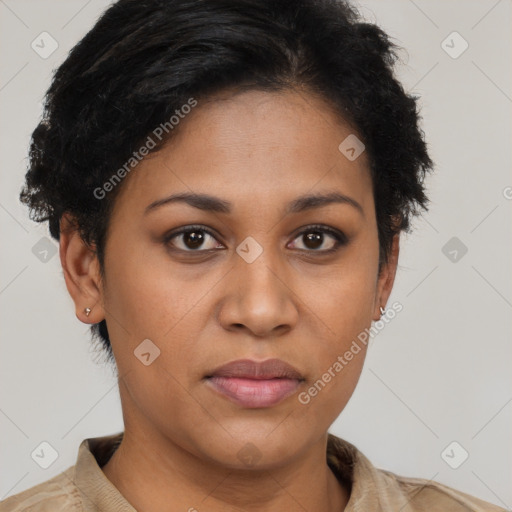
(253, 384)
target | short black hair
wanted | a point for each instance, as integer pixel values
(143, 60)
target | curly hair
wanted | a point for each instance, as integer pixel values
(142, 60)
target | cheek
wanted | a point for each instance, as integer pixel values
(326, 396)
(343, 296)
(158, 394)
(149, 295)
(337, 358)
(343, 306)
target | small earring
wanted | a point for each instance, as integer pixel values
(382, 311)
(87, 311)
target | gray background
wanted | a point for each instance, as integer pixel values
(439, 372)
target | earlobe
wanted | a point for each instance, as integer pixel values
(386, 279)
(81, 272)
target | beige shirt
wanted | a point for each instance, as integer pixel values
(85, 488)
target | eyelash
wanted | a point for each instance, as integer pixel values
(339, 237)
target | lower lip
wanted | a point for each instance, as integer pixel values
(253, 393)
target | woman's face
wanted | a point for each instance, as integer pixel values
(258, 283)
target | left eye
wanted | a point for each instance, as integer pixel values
(313, 239)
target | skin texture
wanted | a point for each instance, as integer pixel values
(257, 150)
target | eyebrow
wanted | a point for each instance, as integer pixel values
(210, 203)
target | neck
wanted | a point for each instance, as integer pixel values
(154, 474)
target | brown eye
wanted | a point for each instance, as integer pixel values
(192, 239)
(199, 239)
(320, 239)
(313, 240)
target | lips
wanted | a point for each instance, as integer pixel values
(248, 369)
(254, 384)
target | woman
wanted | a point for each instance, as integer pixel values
(228, 181)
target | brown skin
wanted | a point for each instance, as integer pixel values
(181, 438)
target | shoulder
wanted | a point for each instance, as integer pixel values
(373, 488)
(55, 495)
(419, 494)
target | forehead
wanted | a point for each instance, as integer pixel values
(253, 146)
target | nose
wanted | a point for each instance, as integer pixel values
(259, 297)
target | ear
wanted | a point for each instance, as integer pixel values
(386, 278)
(81, 272)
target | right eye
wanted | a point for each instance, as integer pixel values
(191, 239)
